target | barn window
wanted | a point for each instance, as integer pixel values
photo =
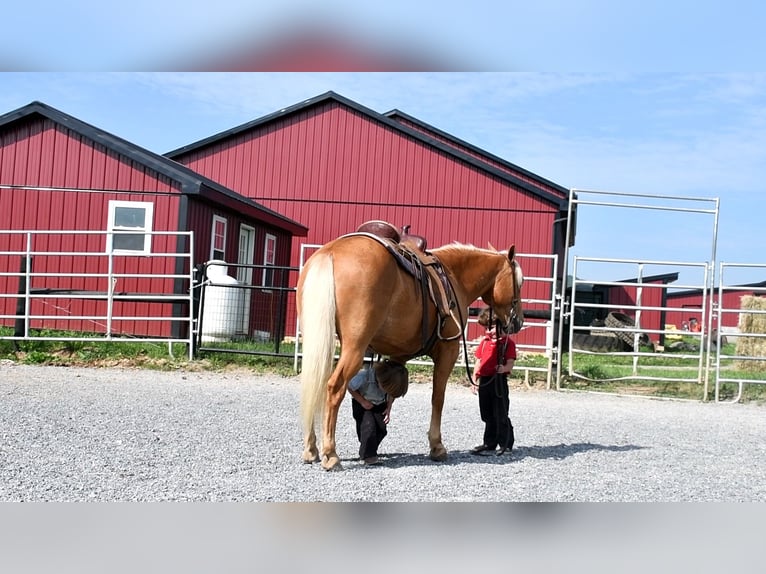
(130, 227)
(218, 239)
(269, 259)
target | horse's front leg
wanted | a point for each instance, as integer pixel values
(437, 451)
(443, 364)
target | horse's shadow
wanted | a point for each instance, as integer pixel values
(457, 457)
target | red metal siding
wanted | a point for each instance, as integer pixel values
(689, 304)
(85, 177)
(332, 168)
(483, 157)
(650, 297)
(341, 171)
(263, 304)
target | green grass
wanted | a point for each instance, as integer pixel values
(36, 351)
(617, 374)
(596, 372)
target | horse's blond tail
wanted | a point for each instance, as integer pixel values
(317, 323)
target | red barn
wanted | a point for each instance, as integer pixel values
(332, 164)
(654, 295)
(60, 174)
(689, 305)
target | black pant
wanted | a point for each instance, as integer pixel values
(370, 428)
(494, 406)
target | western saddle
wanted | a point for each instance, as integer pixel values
(410, 253)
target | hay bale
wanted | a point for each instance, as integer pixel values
(753, 323)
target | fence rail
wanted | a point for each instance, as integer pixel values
(94, 294)
(89, 294)
(753, 363)
(241, 316)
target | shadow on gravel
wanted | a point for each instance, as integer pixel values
(561, 451)
(554, 452)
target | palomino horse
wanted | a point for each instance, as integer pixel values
(354, 287)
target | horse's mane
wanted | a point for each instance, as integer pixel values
(456, 246)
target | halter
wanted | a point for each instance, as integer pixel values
(512, 315)
(516, 292)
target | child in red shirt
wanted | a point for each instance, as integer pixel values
(495, 357)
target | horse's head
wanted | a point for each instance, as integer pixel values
(505, 298)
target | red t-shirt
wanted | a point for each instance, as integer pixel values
(486, 354)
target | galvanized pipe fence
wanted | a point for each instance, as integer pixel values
(34, 299)
(42, 283)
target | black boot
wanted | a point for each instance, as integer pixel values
(509, 443)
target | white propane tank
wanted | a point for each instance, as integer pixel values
(224, 304)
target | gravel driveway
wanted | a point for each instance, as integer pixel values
(72, 434)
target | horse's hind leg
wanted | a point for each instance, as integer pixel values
(348, 365)
(310, 452)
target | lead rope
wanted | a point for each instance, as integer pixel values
(500, 411)
(465, 345)
(465, 353)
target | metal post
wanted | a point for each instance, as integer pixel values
(21, 325)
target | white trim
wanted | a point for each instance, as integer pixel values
(146, 230)
(273, 239)
(246, 254)
(216, 219)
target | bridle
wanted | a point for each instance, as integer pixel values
(513, 316)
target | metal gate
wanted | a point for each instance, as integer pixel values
(739, 358)
(633, 328)
(64, 286)
(246, 315)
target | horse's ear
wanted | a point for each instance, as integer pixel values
(512, 252)
(490, 246)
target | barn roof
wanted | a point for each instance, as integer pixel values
(395, 113)
(661, 278)
(395, 125)
(692, 292)
(664, 278)
(191, 183)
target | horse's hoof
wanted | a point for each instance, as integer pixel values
(438, 454)
(310, 457)
(332, 463)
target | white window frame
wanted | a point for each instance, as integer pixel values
(246, 254)
(266, 262)
(216, 219)
(147, 230)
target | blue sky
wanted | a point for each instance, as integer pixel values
(681, 134)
